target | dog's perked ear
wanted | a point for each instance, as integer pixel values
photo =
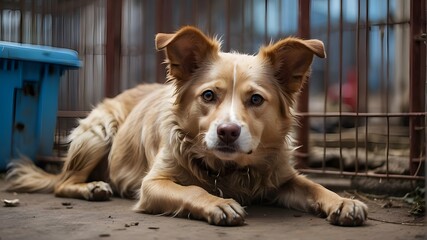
(185, 51)
(291, 59)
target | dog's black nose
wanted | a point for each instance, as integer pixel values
(228, 132)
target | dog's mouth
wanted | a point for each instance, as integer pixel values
(228, 151)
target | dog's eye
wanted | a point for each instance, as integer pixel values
(257, 100)
(208, 96)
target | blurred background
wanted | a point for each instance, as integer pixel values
(362, 113)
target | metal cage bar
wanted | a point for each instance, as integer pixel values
(116, 42)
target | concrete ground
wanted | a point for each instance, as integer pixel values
(42, 216)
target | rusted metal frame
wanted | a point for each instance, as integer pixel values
(387, 89)
(43, 12)
(360, 114)
(252, 17)
(195, 11)
(57, 137)
(265, 21)
(366, 93)
(242, 27)
(326, 83)
(228, 26)
(113, 47)
(182, 16)
(90, 57)
(362, 26)
(72, 114)
(366, 174)
(340, 77)
(303, 131)
(356, 126)
(143, 47)
(21, 26)
(164, 15)
(210, 17)
(280, 13)
(67, 6)
(417, 82)
(127, 49)
(33, 22)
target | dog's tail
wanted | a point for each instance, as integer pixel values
(24, 176)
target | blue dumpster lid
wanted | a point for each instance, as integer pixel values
(36, 53)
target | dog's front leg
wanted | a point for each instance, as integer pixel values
(303, 194)
(163, 196)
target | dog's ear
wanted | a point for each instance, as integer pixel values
(185, 51)
(291, 59)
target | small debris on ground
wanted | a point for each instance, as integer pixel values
(11, 203)
(104, 235)
(388, 204)
(119, 229)
(132, 224)
(68, 205)
(154, 228)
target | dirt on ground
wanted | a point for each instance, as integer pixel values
(43, 216)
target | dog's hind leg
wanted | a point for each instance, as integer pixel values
(90, 145)
(91, 142)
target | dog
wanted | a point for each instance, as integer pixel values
(214, 138)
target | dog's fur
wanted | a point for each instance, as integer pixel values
(212, 139)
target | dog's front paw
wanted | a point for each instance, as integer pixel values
(99, 191)
(225, 212)
(349, 213)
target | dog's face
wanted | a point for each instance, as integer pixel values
(236, 105)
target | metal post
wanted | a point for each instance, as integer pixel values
(163, 20)
(303, 130)
(113, 47)
(417, 84)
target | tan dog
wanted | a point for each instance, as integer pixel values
(214, 138)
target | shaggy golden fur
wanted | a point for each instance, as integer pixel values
(212, 139)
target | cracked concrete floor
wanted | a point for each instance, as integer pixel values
(43, 216)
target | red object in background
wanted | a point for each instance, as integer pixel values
(349, 91)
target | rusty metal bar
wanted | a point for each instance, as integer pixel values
(352, 114)
(367, 174)
(266, 21)
(164, 15)
(367, 62)
(350, 27)
(21, 25)
(113, 47)
(326, 83)
(387, 90)
(356, 122)
(243, 28)
(228, 26)
(340, 100)
(417, 81)
(143, 34)
(72, 114)
(303, 130)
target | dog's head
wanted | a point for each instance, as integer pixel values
(237, 105)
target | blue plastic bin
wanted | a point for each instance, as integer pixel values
(29, 83)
